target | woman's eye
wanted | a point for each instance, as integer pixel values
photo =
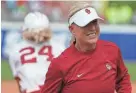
(95, 22)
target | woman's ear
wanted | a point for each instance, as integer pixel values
(71, 27)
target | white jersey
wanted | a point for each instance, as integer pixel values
(30, 62)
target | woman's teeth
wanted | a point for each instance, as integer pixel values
(91, 34)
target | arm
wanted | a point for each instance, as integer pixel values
(12, 63)
(123, 84)
(53, 80)
(17, 80)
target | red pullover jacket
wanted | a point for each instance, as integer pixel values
(98, 71)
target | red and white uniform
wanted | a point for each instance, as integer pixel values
(29, 62)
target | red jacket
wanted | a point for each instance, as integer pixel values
(98, 71)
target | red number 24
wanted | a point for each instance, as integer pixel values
(31, 50)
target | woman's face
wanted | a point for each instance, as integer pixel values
(88, 34)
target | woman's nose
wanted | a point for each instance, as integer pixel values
(92, 27)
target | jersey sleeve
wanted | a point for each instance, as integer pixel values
(54, 79)
(123, 84)
(13, 62)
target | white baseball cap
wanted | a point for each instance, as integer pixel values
(35, 20)
(84, 17)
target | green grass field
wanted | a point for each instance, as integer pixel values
(7, 75)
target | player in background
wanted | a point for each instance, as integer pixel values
(30, 59)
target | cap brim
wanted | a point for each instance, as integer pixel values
(84, 17)
(85, 21)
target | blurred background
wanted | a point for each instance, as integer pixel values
(119, 26)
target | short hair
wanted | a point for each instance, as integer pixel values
(76, 7)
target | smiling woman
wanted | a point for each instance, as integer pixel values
(84, 26)
(76, 66)
(86, 36)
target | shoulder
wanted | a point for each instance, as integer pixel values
(109, 48)
(18, 46)
(108, 44)
(67, 53)
(60, 63)
(64, 57)
(14, 52)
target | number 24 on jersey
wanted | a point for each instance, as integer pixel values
(31, 51)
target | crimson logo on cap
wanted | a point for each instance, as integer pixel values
(87, 11)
